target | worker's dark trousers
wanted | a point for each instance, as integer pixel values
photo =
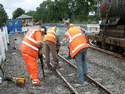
(50, 47)
(69, 56)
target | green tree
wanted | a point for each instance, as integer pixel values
(18, 12)
(31, 13)
(54, 11)
(43, 11)
(63, 9)
(3, 16)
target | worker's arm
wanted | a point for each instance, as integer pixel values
(67, 42)
(38, 39)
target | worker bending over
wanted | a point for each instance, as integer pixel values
(78, 48)
(29, 49)
(68, 25)
(50, 46)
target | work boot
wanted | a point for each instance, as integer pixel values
(53, 73)
(48, 65)
(35, 82)
(58, 65)
(54, 70)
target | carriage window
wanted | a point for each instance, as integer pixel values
(16, 23)
(10, 23)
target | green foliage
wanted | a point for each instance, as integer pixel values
(18, 12)
(31, 13)
(82, 22)
(42, 12)
(55, 11)
(1, 6)
(3, 16)
(92, 17)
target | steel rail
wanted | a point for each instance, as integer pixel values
(108, 52)
(94, 82)
(63, 79)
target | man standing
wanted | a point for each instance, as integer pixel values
(78, 48)
(29, 49)
(50, 46)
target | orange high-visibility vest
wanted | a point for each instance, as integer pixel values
(77, 40)
(29, 43)
(51, 35)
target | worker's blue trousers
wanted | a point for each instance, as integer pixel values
(81, 64)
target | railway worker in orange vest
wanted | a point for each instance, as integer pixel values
(67, 24)
(50, 46)
(78, 48)
(29, 49)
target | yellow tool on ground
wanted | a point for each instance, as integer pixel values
(19, 81)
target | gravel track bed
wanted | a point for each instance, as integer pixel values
(15, 66)
(105, 69)
(69, 74)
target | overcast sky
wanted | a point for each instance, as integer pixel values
(12, 5)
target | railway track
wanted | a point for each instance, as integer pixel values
(69, 77)
(120, 57)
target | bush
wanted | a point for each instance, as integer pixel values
(92, 17)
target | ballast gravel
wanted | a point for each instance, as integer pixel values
(104, 68)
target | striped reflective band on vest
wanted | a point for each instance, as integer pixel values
(71, 38)
(32, 33)
(28, 37)
(30, 45)
(50, 35)
(79, 29)
(75, 36)
(69, 35)
(78, 47)
(51, 31)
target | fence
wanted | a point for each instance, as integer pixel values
(23, 30)
(27, 28)
(4, 40)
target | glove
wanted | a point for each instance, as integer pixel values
(39, 44)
